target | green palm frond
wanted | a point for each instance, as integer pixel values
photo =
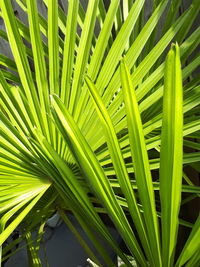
(81, 131)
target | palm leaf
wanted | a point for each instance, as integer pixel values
(171, 154)
(97, 151)
(141, 163)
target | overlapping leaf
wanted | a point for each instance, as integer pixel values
(65, 154)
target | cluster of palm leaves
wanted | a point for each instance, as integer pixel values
(94, 121)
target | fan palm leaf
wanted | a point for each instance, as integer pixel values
(81, 131)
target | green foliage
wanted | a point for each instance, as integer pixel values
(93, 120)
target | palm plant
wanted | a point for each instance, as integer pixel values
(84, 132)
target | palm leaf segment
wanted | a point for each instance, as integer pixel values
(69, 143)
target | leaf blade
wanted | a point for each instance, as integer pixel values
(171, 155)
(141, 162)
